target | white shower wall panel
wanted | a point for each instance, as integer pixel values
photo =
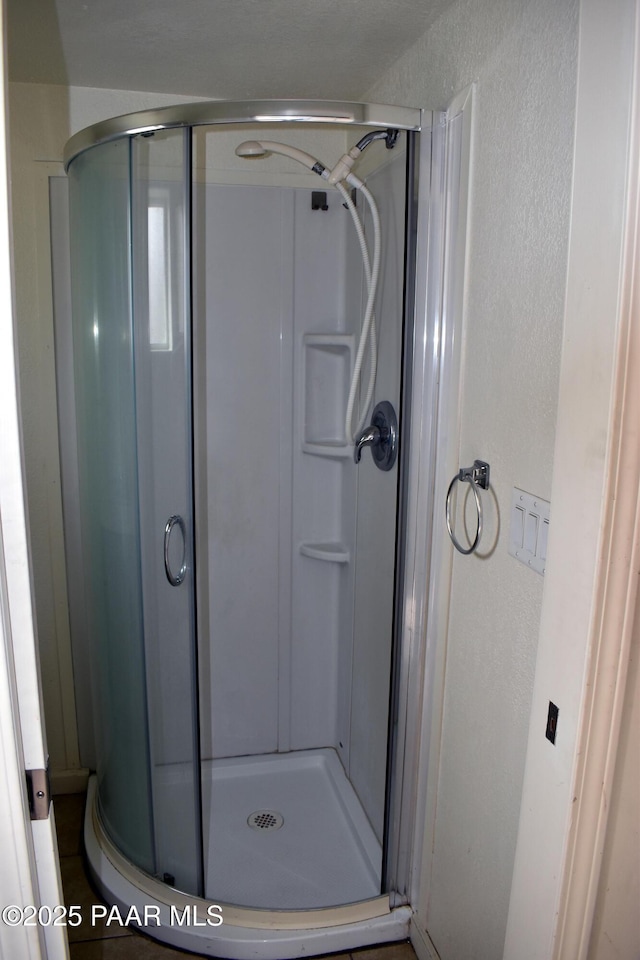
(320, 633)
(247, 272)
(273, 271)
(314, 655)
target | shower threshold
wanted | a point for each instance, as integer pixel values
(312, 845)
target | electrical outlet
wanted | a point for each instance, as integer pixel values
(552, 722)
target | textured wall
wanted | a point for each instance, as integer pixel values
(523, 58)
(583, 545)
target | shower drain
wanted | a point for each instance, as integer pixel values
(265, 820)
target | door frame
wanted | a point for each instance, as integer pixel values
(30, 873)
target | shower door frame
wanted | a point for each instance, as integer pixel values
(432, 334)
(244, 111)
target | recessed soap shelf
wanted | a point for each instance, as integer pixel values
(328, 362)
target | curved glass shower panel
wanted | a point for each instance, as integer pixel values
(108, 483)
(160, 208)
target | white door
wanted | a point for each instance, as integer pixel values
(29, 874)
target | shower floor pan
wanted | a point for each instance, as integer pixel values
(286, 831)
(334, 858)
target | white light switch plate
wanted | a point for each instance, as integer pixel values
(529, 529)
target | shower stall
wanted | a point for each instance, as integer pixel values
(246, 583)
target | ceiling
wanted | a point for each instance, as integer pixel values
(232, 49)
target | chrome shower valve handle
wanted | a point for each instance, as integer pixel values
(370, 436)
(381, 435)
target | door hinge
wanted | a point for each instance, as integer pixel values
(39, 793)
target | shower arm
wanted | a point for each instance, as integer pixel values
(343, 167)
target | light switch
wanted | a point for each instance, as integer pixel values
(529, 529)
(544, 533)
(531, 533)
(517, 526)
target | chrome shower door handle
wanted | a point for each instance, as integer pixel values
(175, 579)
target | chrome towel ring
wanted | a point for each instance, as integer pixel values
(477, 476)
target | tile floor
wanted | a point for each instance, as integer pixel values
(100, 942)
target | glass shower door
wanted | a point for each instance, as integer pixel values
(376, 515)
(160, 227)
(299, 540)
(129, 220)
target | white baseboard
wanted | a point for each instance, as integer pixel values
(68, 781)
(421, 942)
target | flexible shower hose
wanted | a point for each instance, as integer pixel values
(368, 330)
